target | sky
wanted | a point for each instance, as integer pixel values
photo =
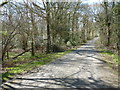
(85, 1)
(91, 1)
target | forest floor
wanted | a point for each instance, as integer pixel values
(82, 68)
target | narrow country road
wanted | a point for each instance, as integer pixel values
(82, 68)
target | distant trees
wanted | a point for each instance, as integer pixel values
(117, 18)
(61, 19)
(107, 19)
(44, 26)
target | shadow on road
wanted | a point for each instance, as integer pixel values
(67, 82)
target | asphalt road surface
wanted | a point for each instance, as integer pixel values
(82, 68)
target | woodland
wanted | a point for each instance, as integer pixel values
(33, 33)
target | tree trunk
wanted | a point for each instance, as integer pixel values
(83, 33)
(7, 55)
(73, 29)
(21, 54)
(48, 29)
(107, 23)
(32, 51)
(109, 34)
(4, 50)
(3, 56)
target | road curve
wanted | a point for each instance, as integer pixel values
(83, 68)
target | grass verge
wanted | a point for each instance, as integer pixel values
(108, 56)
(26, 63)
(111, 56)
